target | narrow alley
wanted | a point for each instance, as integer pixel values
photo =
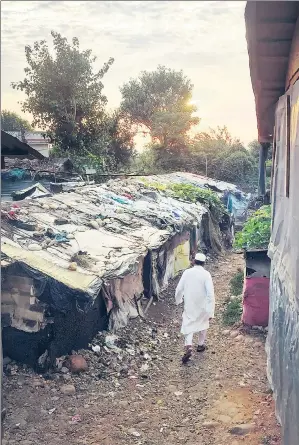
(221, 397)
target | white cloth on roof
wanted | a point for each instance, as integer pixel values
(196, 289)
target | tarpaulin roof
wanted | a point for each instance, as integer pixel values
(109, 226)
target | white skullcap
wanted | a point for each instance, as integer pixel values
(200, 257)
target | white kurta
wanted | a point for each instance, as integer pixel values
(197, 291)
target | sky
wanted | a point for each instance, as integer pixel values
(206, 39)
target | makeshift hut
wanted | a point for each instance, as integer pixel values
(81, 261)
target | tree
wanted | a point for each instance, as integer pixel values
(112, 148)
(11, 121)
(161, 101)
(116, 141)
(219, 155)
(64, 95)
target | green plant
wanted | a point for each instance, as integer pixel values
(192, 193)
(232, 312)
(256, 231)
(236, 283)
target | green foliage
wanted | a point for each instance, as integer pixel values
(254, 150)
(64, 95)
(218, 155)
(11, 121)
(232, 313)
(236, 283)
(160, 100)
(192, 193)
(256, 231)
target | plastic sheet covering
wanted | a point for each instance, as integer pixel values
(182, 257)
(57, 294)
(121, 314)
(283, 337)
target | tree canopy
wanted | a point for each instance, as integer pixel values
(219, 155)
(161, 101)
(11, 121)
(64, 95)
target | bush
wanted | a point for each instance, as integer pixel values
(236, 283)
(233, 311)
(256, 232)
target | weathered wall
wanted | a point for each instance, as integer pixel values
(19, 307)
(283, 337)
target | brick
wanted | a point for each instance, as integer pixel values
(7, 308)
(21, 313)
(23, 284)
(6, 297)
(22, 301)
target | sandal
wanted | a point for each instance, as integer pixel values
(186, 357)
(201, 348)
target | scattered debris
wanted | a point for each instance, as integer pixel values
(76, 418)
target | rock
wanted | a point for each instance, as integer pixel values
(38, 383)
(6, 361)
(248, 341)
(234, 334)
(72, 266)
(178, 393)
(67, 377)
(21, 423)
(242, 430)
(133, 432)
(226, 332)
(68, 390)
(210, 424)
(94, 224)
(239, 338)
(144, 368)
(77, 364)
(123, 403)
(64, 370)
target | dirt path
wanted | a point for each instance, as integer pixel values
(151, 399)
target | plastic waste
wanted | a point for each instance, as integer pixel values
(76, 418)
(61, 237)
(110, 343)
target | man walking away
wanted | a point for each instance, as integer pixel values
(196, 289)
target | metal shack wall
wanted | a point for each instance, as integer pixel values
(283, 337)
